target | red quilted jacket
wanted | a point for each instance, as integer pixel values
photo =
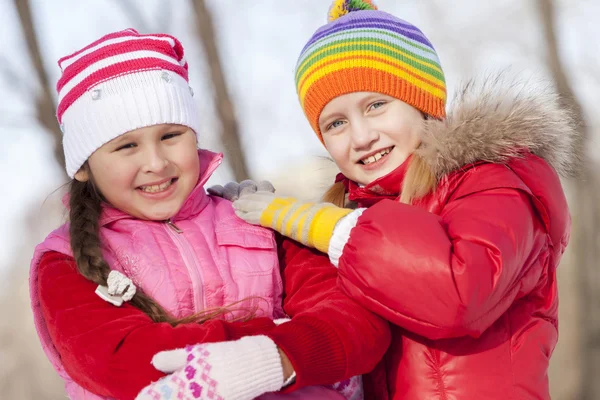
(467, 275)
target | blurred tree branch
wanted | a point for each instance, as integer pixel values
(586, 231)
(12, 78)
(547, 14)
(43, 100)
(229, 127)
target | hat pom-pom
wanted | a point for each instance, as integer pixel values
(340, 8)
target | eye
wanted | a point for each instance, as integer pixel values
(170, 135)
(376, 105)
(335, 124)
(126, 146)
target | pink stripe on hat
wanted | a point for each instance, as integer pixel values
(124, 35)
(111, 50)
(129, 44)
(120, 69)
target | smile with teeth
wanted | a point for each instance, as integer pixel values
(376, 156)
(157, 188)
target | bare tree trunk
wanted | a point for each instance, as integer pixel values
(230, 131)
(586, 210)
(44, 103)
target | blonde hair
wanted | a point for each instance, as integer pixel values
(418, 182)
(336, 194)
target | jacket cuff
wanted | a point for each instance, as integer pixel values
(256, 326)
(341, 234)
(314, 349)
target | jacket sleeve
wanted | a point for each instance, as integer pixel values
(107, 349)
(330, 337)
(446, 275)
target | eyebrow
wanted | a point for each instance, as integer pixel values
(125, 138)
(370, 97)
(365, 100)
(168, 128)
(329, 118)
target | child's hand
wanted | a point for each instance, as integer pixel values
(237, 370)
(311, 224)
(233, 190)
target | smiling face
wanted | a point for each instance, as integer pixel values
(148, 172)
(369, 134)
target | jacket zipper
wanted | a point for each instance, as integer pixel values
(191, 263)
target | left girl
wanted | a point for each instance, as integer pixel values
(150, 262)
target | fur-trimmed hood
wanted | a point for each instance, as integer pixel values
(494, 120)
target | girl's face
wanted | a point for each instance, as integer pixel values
(148, 172)
(369, 134)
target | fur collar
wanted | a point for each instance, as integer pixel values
(495, 120)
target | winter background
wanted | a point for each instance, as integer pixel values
(257, 44)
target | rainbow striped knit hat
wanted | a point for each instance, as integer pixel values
(362, 49)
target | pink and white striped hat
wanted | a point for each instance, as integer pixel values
(121, 82)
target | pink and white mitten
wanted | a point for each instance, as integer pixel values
(237, 370)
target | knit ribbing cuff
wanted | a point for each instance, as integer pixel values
(314, 349)
(256, 326)
(341, 234)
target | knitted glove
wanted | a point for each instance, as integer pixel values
(238, 370)
(233, 190)
(311, 224)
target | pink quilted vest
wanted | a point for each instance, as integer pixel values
(206, 257)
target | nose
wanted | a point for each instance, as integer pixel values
(363, 135)
(155, 161)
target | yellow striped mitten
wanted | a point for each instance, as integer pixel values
(311, 224)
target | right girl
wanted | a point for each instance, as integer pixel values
(461, 219)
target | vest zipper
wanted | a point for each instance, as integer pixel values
(172, 225)
(190, 262)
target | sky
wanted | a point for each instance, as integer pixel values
(259, 42)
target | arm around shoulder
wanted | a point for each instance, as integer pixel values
(330, 337)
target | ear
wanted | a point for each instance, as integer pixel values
(82, 175)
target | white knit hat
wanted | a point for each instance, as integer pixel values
(121, 82)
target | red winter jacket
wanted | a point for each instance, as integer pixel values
(467, 275)
(108, 349)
